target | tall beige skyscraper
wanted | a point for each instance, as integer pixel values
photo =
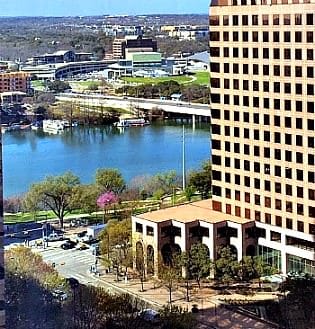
(262, 91)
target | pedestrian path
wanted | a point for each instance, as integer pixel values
(59, 256)
(212, 314)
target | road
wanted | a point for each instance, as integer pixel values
(70, 263)
(133, 103)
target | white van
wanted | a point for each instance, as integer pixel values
(54, 237)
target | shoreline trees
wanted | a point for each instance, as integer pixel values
(54, 193)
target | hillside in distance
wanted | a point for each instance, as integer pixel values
(24, 37)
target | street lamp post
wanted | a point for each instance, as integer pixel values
(44, 235)
(184, 160)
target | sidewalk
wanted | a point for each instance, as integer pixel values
(212, 313)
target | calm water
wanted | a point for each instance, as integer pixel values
(30, 156)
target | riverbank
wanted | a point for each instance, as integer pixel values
(135, 152)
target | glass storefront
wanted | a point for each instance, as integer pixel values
(300, 265)
(270, 256)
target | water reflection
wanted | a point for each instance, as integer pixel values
(31, 155)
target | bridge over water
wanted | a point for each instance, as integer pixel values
(168, 106)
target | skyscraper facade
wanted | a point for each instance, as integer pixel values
(263, 152)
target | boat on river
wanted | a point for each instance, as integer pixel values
(15, 127)
(54, 126)
(131, 122)
(37, 125)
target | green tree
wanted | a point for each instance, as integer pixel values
(189, 192)
(202, 180)
(184, 261)
(110, 180)
(40, 110)
(250, 268)
(99, 52)
(55, 193)
(297, 304)
(226, 266)
(167, 88)
(162, 183)
(44, 99)
(85, 197)
(170, 271)
(169, 276)
(93, 86)
(29, 285)
(58, 86)
(116, 241)
(175, 317)
(199, 262)
(194, 92)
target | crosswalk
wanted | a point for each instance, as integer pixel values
(71, 263)
(71, 256)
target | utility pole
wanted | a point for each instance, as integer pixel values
(184, 160)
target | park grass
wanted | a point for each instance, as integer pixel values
(26, 217)
(97, 217)
(180, 79)
(85, 83)
(200, 78)
(38, 84)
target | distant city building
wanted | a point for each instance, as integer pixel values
(122, 30)
(61, 56)
(65, 70)
(144, 59)
(15, 81)
(186, 32)
(129, 44)
(199, 62)
(175, 65)
(12, 97)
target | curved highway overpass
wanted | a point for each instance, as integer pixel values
(137, 103)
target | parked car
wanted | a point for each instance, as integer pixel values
(81, 234)
(150, 315)
(68, 245)
(54, 237)
(60, 295)
(73, 282)
(82, 246)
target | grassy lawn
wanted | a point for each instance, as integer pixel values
(38, 84)
(85, 84)
(27, 217)
(180, 79)
(201, 78)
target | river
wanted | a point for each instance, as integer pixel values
(29, 156)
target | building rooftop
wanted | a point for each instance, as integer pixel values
(203, 56)
(200, 210)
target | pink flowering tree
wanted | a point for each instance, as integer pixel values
(105, 200)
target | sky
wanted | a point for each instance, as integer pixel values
(100, 7)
